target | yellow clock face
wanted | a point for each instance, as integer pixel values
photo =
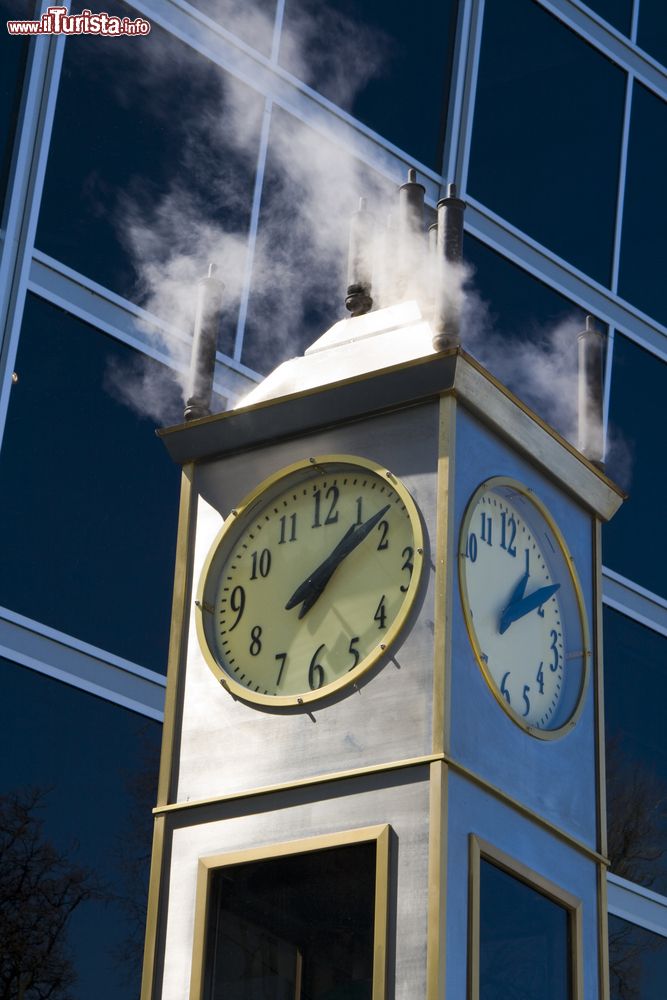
(310, 580)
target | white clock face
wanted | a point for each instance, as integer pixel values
(523, 607)
(310, 580)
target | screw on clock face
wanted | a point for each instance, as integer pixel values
(313, 586)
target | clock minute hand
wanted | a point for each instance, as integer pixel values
(517, 609)
(311, 588)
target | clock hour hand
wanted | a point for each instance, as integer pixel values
(517, 609)
(308, 592)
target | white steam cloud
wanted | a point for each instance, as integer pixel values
(311, 187)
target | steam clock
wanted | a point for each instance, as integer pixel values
(382, 771)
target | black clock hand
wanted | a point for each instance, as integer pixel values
(311, 588)
(517, 609)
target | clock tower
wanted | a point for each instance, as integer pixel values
(382, 770)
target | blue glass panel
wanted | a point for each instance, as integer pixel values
(311, 189)
(652, 29)
(89, 499)
(617, 12)
(526, 336)
(251, 20)
(97, 765)
(387, 64)
(152, 159)
(524, 941)
(547, 133)
(637, 962)
(644, 237)
(13, 56)
(635, 692)
(633, 543)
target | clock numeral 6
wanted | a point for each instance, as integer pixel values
(316, 670)
(503, 689)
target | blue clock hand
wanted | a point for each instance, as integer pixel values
(312, 587)
(517, 609)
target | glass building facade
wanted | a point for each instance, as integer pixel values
(244, 132)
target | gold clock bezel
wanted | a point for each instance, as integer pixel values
(233, 528)
(542, 510)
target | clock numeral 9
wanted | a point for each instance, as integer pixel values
(237, 604)
(316, 671)
(408, 554)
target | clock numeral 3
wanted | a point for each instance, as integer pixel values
(408, 554)
(554, 639)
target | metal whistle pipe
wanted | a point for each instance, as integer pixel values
(204, 343)
(449, 254)
(591, 393)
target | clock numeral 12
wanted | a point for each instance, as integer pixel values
(332, 495)
(509, 547)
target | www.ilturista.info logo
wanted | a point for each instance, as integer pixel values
(57, 21)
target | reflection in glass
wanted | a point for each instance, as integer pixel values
(652, 29)
(547, 134)
(635, 692)
(96, 767)
(525, 333)
(524, 941)
(311, 188)
(637, 962)
(631, 544)
(90, 497)
(385, 64)
(151, 171)
(251, 20)
(644, 240)
(617, 12)
(293, 928)
(13, 56)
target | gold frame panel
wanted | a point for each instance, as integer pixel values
(208, 865)
(234, 524)
(543, 510)
(479, 849)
